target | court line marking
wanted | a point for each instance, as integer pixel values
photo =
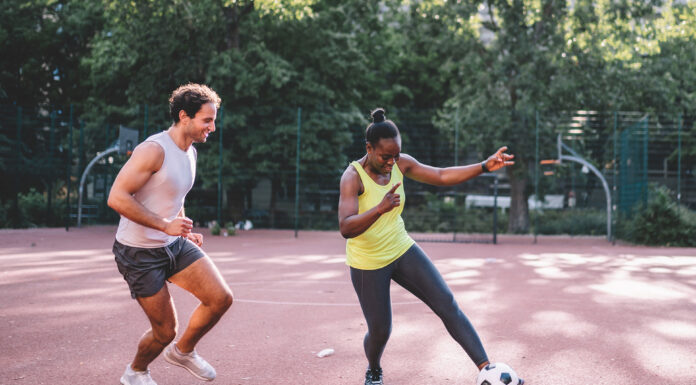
(313, 303)
(292, 303)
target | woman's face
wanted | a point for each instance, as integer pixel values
(382, 157)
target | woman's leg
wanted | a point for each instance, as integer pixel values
(417, 274)
(372, 288)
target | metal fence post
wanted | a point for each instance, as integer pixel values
(18, 213)
(679, 161)
(456, 137)
(495, 210)
(51, 145)
(69, 171)
(297, 170)
(219, 184)
(456, 163)
(614, 188)
(645, 159)
(536, 174)
(81, 148)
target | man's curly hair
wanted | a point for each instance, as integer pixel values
(190, 97)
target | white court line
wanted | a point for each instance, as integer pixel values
(313, 303)
(333, 304)
(232, 283)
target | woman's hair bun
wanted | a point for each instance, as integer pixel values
(378, 115)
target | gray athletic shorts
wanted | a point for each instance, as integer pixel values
(146, 269)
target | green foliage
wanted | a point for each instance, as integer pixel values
(33, 211)
(486, 65)
(215, 229)
(4, 215)
(661, 222)
(46, 39)
(443, 215)
(571, 222)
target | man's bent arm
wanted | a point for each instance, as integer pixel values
(147, 159)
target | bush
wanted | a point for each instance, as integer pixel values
(442, 216)
(30, 211)
(573, 222)
(661, 222)
(3, 215)
(215, 229)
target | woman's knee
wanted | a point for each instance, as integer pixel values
(380, 333)
(447, 306)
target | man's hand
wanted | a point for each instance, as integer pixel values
(196, 238)
(179, 226)
(390, 200)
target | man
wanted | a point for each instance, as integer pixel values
(154, 242)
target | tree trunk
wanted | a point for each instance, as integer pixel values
(519, 211)
(234, 15)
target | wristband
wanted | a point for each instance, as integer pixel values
(483, 167)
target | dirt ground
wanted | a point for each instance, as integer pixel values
(563, 311)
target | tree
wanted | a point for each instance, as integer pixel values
(548, 55)
(46, 39)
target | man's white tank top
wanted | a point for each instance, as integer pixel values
(163, 194)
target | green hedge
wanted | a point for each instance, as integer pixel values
(570, 221)
(33, 211)
(659, 222)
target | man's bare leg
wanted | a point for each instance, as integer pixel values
(159, 309)
(204, 281)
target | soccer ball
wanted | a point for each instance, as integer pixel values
(498, 374)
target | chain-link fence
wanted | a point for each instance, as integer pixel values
(632, 153)
(250, 169)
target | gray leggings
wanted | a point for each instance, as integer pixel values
(416, 273)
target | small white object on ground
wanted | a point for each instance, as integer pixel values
(325, 353)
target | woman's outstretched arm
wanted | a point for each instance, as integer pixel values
(448, 176)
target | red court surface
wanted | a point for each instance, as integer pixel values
(564, 311)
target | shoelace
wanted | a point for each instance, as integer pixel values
(375, 376)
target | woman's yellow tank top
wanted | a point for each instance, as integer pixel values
(387, 239)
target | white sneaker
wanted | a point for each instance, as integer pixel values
(192, 362)
(131, 377)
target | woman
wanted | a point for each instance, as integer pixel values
(380, 250)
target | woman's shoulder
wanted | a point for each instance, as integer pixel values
(350, 171)
(405, 162)
(351, 176)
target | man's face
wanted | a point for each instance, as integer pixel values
(202, 124)
(384, 155)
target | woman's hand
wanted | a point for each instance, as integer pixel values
(499, 160)
(390, 200)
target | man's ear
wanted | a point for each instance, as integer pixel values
(183, 115)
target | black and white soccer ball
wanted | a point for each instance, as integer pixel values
(498, 374)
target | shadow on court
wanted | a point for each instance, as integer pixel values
(569, 311)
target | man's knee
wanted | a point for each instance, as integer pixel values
(222, 301)
(165, 334)
(226, 300)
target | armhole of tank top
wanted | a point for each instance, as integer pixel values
(400, 172)
(360, 177)
(164, 153)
